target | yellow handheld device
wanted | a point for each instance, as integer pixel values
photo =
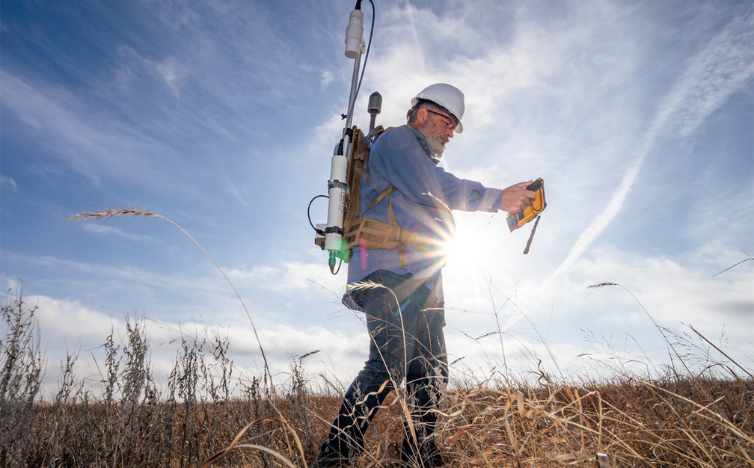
(538, 205)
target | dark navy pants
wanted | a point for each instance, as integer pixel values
(406, 343)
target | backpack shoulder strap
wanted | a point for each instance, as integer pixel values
(379, 198)
(361, 230)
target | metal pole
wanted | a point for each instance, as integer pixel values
(351, 104)
(352, 96)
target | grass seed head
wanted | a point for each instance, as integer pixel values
(111, 213)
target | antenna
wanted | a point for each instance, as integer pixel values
(330, 236)
(374, 107)
(339, 163)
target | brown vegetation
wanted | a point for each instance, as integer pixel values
(700, 416)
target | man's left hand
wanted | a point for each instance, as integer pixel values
(515, 198)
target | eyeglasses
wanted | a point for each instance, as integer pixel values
(447, 120)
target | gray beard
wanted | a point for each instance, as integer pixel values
(435, 148)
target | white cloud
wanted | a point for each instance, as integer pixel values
(170, 71)
(326, 79)
(273, 294)
(328, 130)
(673, 292)
(9, 181)
(284, 277)
(71, 321)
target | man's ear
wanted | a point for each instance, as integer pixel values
(422, 115)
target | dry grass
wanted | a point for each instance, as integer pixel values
(634, 422)
(705, 418)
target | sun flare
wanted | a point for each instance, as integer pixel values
(472, 248)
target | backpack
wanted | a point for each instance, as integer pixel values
(362, 231)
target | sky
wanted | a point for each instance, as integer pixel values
(222, 115)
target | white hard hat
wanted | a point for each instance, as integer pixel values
(447, 96)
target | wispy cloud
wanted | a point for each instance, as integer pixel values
(171, 71)
(238, 194)
(326, 79)
(9, 181)
(89, 145)
(721, 69)
(103, 230)
(117, 277)
(210, 74)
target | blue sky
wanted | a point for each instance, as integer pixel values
(222, 116)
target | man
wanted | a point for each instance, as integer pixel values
(400, 290)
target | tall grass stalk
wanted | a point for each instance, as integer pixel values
(130, 212)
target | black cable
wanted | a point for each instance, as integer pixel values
(338, 270)
(366, 59)
(531, 237)
(318, 231)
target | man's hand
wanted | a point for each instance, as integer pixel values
(515, 198)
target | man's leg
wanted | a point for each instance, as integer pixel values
(426, 377)
(389, 331)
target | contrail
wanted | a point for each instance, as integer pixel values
(721, 69)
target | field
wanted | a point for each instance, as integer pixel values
(695, 412)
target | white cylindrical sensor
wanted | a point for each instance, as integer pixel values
(338, 168)
(336, 207)
(333, 240)
(354, 34)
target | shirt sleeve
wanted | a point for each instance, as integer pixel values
(399, 158)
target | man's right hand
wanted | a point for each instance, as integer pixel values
(515, 198)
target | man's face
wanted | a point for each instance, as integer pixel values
(438, 128)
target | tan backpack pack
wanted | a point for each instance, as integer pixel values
(364, 232)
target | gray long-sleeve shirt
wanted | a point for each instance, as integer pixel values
(422, 199)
